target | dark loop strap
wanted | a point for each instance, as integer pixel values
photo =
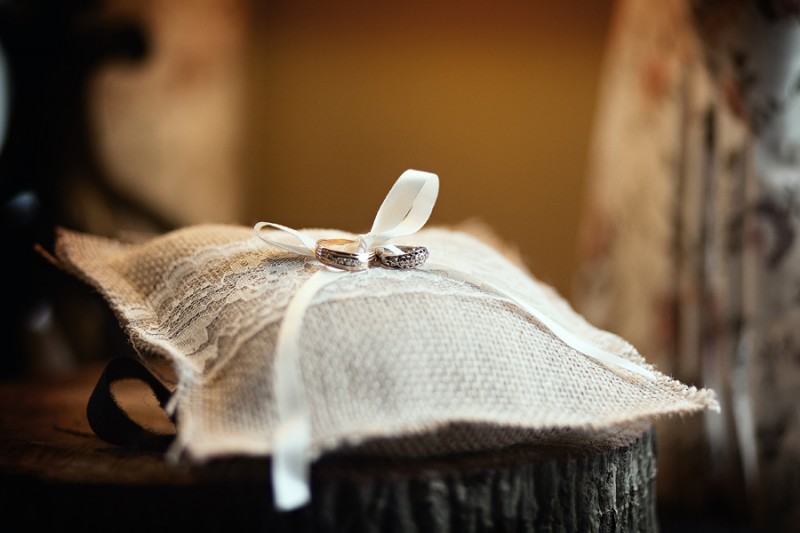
(109, 420)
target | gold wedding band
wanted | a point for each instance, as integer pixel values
(333, 253)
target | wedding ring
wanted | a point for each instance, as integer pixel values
(412, 256)
(331, 252)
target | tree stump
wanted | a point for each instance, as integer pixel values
(524, 489)
(55, 473)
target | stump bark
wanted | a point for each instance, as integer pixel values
(516, 490)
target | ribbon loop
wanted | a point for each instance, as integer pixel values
(308, 243)
(406, 208)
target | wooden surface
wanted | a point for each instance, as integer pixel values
(54, 472)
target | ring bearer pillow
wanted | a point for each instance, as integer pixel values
(279, 351)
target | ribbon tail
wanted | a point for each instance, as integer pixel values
(292, 440)
(598, 354)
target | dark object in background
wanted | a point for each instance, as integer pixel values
(50, 50)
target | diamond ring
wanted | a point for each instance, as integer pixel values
(412, 256)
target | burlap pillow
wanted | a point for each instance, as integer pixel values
(416, 362)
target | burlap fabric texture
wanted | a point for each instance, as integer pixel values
(411, 362)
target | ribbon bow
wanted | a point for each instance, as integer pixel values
(405, 211)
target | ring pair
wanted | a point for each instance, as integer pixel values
(333, 253)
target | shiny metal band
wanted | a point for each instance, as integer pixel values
(412, 256)
(331, 252)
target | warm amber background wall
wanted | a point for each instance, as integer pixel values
(495, 97)
(304, 113)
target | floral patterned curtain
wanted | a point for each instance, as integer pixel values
(688, 245)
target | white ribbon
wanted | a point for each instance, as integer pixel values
(404, 211)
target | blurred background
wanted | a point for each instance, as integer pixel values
(618, 146)
(129, 116)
